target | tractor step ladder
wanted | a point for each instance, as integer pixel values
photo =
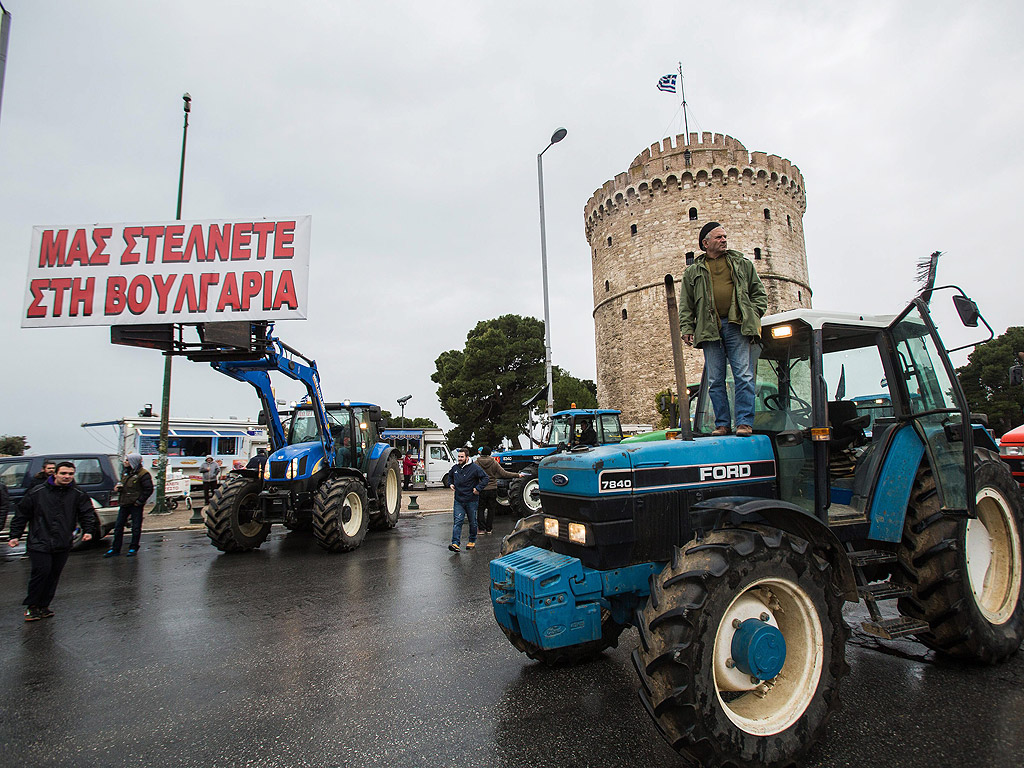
(890, 629)
(871, 594)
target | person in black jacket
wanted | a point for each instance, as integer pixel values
(5, 505)
(136, 487)
(51, 511)
(44, 474)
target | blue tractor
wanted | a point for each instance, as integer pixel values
(567, 429)
(733, 557)
(330, 473)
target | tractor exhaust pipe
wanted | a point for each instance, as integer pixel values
(683, 412)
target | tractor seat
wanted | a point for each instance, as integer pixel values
(847, 426)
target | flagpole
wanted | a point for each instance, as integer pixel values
(682, 92)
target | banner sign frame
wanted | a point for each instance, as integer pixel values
(202, 271)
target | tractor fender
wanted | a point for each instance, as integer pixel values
(250, 473)
(344, 472)
(379, 456)
(792, 519)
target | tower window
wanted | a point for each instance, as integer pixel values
(798, 296)
(632, 230)
(623, 314)
(609, 241)
(767, 215)
(693, 214)
(789, 222)
(606, 286)
(757, 254)
(689, 258)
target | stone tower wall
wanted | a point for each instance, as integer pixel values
(642, 224)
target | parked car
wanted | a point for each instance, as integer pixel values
(95, 473)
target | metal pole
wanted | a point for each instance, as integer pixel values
(160, 507)
(5, 33)
(557, 136)
(683, 412)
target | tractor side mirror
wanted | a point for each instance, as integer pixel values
(967, 310)
(1016, 375)
(375, 414)
(261, 418)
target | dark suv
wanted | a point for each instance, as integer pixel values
(95, 473)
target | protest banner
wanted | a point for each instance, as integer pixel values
(168, 272)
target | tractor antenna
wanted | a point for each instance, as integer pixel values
(926, 271)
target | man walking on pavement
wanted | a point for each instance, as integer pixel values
(720, 311)
(51, 511)
(211, 471)
(468, 480)
(489, 495)
(136, 487)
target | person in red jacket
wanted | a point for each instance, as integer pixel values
(51, 511)
(408, 465)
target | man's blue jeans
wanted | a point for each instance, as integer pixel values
(742, 353)
(464, 509)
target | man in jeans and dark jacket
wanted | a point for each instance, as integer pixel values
(51, 511)
(468, 480)
(489, 495)
(136, 487)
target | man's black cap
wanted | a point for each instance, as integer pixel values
(704, 232)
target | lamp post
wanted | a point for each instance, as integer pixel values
(165, 401)
(402, 401)
(556, 137)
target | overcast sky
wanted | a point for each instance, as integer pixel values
(409, 131)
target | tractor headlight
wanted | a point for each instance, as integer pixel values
(1012, 450)
(578, 533)
(293, 469)
(266, 470)
(551, 527)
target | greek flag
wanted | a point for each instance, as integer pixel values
(667, 83)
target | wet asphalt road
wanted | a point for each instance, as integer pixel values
(389, 656)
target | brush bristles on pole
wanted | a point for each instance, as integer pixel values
(927, 268)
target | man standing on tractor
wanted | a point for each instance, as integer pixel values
(720, 312)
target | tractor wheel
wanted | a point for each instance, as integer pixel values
(524, 494)
(742, 648)
(530, 532)
(966, 574)
(389, 497)
(230, 522)
(340, 514)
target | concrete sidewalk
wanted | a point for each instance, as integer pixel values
(431, 501)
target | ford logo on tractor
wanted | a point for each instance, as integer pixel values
(724, 472)
(559, 480)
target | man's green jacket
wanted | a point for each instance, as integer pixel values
(697, 313)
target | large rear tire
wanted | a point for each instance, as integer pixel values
(389, 497)
(524, 494)
(231, 520)
(340, 514)
(966, 575)
(699, 616)
(529, 532)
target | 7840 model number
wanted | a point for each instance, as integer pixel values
(608, 485)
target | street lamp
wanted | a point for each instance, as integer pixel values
(556, 137)
(402, 401)
(165, 401)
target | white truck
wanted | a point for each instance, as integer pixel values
(231, 442)
(429, 447)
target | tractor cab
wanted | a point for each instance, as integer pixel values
(852, 403)
(583, 427)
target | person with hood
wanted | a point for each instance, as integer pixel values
(136, 487)
(40, 477)
(52, 511)
(211, 471)
(408, 466)
(489, 495)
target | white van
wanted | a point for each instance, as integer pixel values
(429, 447)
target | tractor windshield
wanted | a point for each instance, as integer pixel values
(304, 428)
(561, 430)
